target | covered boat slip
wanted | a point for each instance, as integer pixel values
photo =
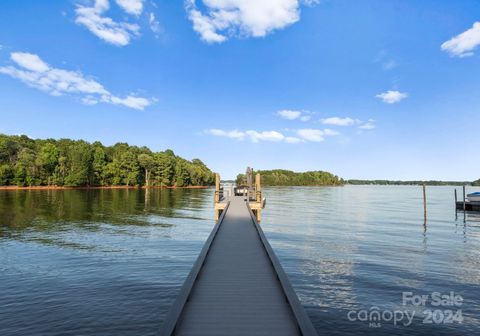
(237, 286)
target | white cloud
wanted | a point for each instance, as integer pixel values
(235, 134)
(303, 135)
(392, 97)
(465, 43)
(337, 121)
(90, 100)
(385, 60)
(253, 136)
(315, 135)
(293, 140)
(204, 26)
(330, 132)
(310, 134)
(154, 24)
(34, 72)
(116, 33)
(138, 103)
(389, 65)
(369, 125)
(265, 136)
(293, 115)
(29, 61)
(289, 114)
(222, 19)
(134, 7)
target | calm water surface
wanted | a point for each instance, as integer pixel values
(110, 262)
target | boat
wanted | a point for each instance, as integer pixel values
(474, 197)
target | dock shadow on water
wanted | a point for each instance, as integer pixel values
(111, 262)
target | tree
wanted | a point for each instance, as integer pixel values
(147, 164)
(164, 169)
(6, 174)
(98, 165)
(182, 175)
(9, 148)
(47, 161)
(79, 163)
(129, 168)
(25, 169)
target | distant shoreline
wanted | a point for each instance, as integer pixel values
(96, 187)
(409, 183)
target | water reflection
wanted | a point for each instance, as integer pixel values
(48, 209)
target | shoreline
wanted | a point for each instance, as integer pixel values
(97, 187)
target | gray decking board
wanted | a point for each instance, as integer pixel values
(238, 290)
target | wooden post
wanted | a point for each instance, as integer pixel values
(455, 199)
(258, 189)
(464, 206)
(424, 203)
(216, 196)
(217, 188)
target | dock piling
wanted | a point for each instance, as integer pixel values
(424, 203)
(464, 205)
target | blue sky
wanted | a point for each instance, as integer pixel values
(364, 89)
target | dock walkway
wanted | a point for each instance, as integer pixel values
(237, 286)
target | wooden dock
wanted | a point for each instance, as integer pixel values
(251, 192)
(464, 204)
(237, 285)
(469, 206)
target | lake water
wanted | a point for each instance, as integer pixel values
(110, 262)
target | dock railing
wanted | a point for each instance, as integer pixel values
(254, 195)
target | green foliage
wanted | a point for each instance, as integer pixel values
(147, 164)
(79, 164)
(280, 177)
(6, 174)
(25, 169)
(65, 162)
(476, 183)
(46, 161)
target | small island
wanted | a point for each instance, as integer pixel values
(282, 177)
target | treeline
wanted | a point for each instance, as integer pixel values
(280, 177)
(476, 183)
(390, 182)
(65, 162)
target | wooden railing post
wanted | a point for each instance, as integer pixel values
(216, 196)
(258, 189)
(217, 188)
